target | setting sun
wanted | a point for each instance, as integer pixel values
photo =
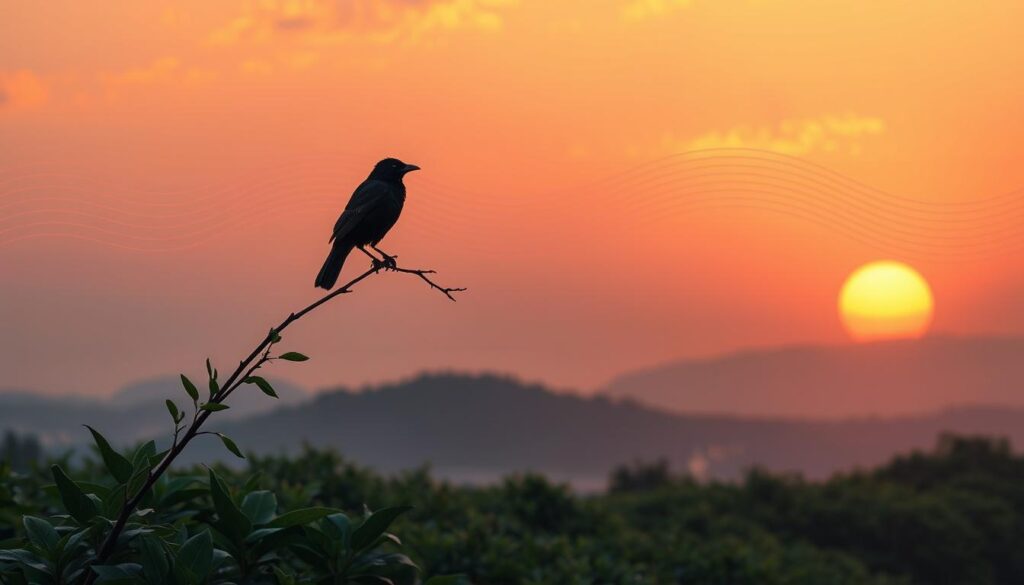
(885, 300)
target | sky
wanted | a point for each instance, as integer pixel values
(618, 183)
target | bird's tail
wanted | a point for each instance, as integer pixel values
(332, 266)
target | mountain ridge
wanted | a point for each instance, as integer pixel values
(886, 378)
(484, 426)
(496, 425)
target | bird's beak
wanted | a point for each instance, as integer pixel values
(410, 168)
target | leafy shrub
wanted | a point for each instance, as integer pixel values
(277, 521)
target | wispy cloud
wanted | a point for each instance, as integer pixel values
(327, 21)
(644, 9)
(844, 133)
(161, 70)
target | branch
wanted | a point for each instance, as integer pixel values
(446, 291)
(246, 367)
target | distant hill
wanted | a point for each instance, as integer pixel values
(481, 427)
(132, 413)
(478, 428)
(885, 378)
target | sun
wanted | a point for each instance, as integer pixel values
(886, 300)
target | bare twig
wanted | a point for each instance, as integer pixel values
(446, 291)
(245, 369)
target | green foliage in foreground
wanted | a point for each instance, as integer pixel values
(190, 528)
(952, 516)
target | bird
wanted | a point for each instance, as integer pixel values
(370, 214)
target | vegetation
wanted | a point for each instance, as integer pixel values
(955, 515)
(19, 451)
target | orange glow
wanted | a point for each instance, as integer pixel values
(886, 300)
(157, 160)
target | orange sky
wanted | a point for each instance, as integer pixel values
(170, 173)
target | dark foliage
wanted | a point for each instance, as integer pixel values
(955, 515)
(20, 451)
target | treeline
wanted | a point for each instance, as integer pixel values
(20, 452)
(954, 515)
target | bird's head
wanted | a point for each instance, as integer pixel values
(391, 169)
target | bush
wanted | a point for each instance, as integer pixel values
(295, 519)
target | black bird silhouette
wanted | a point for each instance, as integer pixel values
(371, 212)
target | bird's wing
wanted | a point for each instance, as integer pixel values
(368, 191)
(368, 196)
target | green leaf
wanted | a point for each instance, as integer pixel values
(263, 385)
(233, 523)
(117, 464)
(301, 516)
(259, 506)
(214, 406)
(143, 454)
(195, 558)
(231, 446)
(339, 528)
(86, 486)
(24, 557)
(185, 495)
(275, 337)
(41, 533)
(214, 387)
(375, 525)
(209, 369)
(392, 565)
(114, 500)
(282, 577)
(157, 458)
(138, 479)
(71, 546)
(80, 506)
(268, 540)
(117, 574)
(293, 356)
(253, 482)
(307, 553)
(154, 559)
(387, 537)
(173, 409)
(193, 392)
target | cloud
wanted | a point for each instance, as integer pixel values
(644, 9)
(330, 21)
(158, 71)
(793, 137)
(22, 90)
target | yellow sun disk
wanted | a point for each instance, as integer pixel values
(885, 300)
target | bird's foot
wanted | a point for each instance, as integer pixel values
(389, 262)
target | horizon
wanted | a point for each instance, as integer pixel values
(598, 390)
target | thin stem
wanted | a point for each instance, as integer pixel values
(236, 379)
(177, 430)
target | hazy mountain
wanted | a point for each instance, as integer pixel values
(132, 413)
(471, 427)
(886, 378)
(481, 427)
